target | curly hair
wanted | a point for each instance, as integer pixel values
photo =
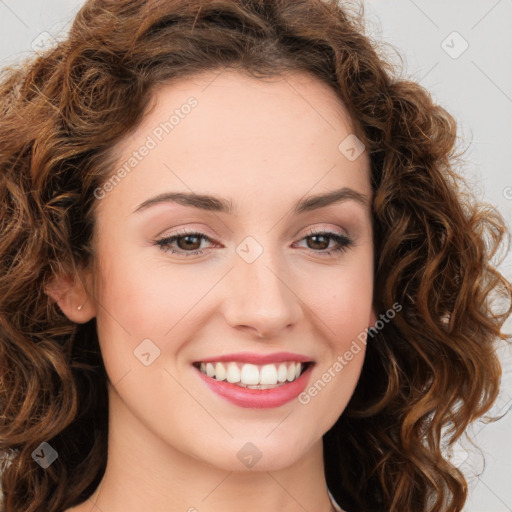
(427, 374)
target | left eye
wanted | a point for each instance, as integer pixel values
(189, 243)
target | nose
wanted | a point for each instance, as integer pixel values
(261, 299)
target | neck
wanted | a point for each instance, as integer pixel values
(145, 473)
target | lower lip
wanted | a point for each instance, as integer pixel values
(258, 398)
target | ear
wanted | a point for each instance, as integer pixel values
(74, 296)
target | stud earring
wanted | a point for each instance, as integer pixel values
(80, 307)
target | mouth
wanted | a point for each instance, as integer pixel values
(253, 376)
(256, 381)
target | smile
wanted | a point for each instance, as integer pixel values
(255, 381)
(253, 376)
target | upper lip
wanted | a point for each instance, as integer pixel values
(255, 358)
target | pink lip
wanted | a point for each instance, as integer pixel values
(254, 358)
(258, 398)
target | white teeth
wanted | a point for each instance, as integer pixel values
(220, 372)
(210, 370)
(233, 373)
(282, 372)
(251, 375)
(268, 374)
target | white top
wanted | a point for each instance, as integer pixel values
(334, 504)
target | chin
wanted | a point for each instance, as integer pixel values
(257, 453)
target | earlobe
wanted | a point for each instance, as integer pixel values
(72, 297)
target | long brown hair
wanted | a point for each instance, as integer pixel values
(430, 370)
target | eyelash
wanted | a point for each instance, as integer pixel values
(343, 241)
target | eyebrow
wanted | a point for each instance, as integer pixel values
(221, 205)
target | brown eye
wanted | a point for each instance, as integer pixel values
(183, 244)
(318, 242)
(188, 242)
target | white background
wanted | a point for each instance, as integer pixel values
(475, 86)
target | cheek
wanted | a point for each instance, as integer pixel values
(331, 388)
(341, 300)
(144, 296)
(145, 299)
(343, 315)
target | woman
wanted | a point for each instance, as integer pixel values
(238, 269)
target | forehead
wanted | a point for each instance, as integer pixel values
(226, 133)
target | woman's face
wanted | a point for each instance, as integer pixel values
(252, 291)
